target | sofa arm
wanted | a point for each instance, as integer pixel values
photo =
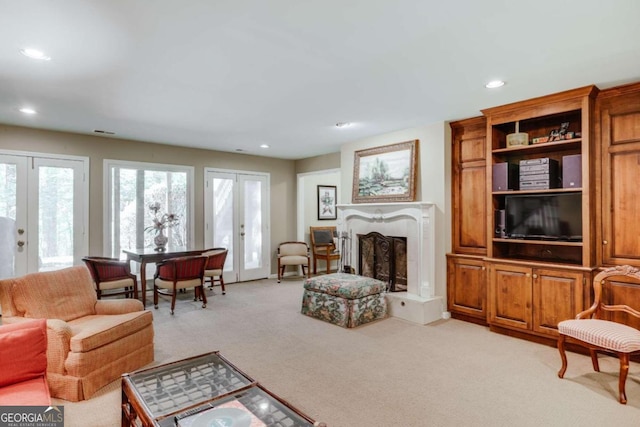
(118, 306)
(58, 345)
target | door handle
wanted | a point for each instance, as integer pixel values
(20, 243)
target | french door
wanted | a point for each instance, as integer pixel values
(236, 218)
(43, 213)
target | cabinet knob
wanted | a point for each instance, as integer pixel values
(484, 268)
(535, 276)
(605, 242)
(528, 274)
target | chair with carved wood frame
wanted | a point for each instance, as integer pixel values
(604, 327)
(323, 246)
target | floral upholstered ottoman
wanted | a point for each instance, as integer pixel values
(346, 300)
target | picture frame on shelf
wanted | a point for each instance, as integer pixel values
(386, 173)
(327, 202)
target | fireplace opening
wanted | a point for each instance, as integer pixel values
(384, 258)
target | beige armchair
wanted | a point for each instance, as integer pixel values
(293, 253)
(90, 342)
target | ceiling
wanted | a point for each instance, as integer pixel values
(231, 75)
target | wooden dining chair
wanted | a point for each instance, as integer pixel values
(111, 277)
(605, 326)
(175, 274)
(323, 247)
(214, 269)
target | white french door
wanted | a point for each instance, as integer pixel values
(43, 213)
(236, 218)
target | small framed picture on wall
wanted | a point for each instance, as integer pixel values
(327, 202)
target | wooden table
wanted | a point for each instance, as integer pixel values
(147, 255)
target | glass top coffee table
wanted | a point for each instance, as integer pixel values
(203, 391)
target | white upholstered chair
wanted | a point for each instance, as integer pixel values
(293, 253)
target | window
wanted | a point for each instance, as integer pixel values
(132, 188)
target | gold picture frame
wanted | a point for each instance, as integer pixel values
(385, 174)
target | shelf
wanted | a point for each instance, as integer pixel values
(550, 190)
(539, 242)
(567, 144)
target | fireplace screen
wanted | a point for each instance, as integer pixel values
(384, 258)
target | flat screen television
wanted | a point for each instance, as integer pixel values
(554, 216)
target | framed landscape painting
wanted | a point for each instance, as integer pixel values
(327, 202)
(385, 174)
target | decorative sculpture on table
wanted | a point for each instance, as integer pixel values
(160, 222)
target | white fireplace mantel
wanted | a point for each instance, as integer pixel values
(416, 222)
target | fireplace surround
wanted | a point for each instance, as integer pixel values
(416, 222)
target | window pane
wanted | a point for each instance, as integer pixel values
(133, 191)
(223, 218)
(253, 224)
(8, 185)
(55, 218)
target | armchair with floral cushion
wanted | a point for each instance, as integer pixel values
(90, 342)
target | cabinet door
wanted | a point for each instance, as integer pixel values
(469, 186)
(466, 287)
(620, 133)
(510, 296)
(557, 296)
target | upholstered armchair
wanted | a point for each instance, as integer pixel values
(293, 253)
(214, 269)
(90, 342)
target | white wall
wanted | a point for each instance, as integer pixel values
(434, 181)
(308, 195)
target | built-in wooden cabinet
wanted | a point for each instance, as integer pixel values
(466, 288)
(619, 136)
(534, 299)
(466, 279)
(550, 233)
(524, 283)
(469, 185)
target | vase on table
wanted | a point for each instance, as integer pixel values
(160, 240)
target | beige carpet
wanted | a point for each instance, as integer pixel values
(386, 373)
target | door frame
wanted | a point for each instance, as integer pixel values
(83, 240)
(267, 215)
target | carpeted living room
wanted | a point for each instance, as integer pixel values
(388, 372)
(331, 214)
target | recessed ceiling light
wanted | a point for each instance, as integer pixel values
(494, 84)
(35, 54)
(343, 124)
(264, 145)
(27, 110)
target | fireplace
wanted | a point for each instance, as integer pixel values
(383, 258)
(415, 222)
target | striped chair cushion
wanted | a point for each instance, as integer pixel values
(603, 333)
